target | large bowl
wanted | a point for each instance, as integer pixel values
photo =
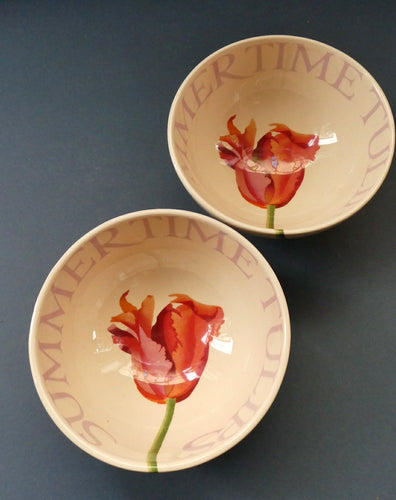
(204, 375)
(327, 154)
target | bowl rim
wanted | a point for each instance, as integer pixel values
(252, 228)
(185, 463)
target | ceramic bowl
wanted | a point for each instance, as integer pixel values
(159, 340)
(281, 135)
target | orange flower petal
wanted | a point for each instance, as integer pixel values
(168, 358)
(292, 146)
(126, 318)
(232, 129)
(237, 145)
(284, 187)
(253, 186)
(125, 305)
(145, 314)
(281, 154)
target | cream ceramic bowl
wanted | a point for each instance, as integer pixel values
(104, 398)
(311, 88)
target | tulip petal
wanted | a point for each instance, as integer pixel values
(168, 358)
(232, 129)
(125, 305)
(186, 331)
(253, 186)
(127, 342)
(284, 187)
(271, 173)
(154, 392)
(237, 146)
(194, 325)
(206, 311)
(192, 348)
(292, 146)
(263, 150)
(126, 318)
(158, 393)
(154, 359)
(145, 314)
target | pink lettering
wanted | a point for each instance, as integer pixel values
(73, 413)
(249, 407)
(378, 105)
(242, 258)
(343, 77)
(181, 126)
(103, 247)
(184, 153)
(361, 190)
(268, 373)
(73, 406)
(73, 271)
(258, 48)
(232, 427)
(268, 302)
(370, 168)
(172, 226)
(375, 136)
(88, 435)
(355, 197)
(200, 91)
(204, 442)
(147, 228)
(59, 311)
(322, 63)
(48, 375)
(222, 74)
(272, 331)
(217, 237)
(281, 54)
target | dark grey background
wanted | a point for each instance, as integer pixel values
(85, 91)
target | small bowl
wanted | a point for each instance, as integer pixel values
(319, 147)
(159, 320)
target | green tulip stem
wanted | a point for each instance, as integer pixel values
(159, 438)
(270, 216)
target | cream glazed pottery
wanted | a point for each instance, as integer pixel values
(159, 340)
(281, 135)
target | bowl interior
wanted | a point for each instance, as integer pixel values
(308, 86)
(86, 382)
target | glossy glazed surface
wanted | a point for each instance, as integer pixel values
(87, 383)
(313, 89)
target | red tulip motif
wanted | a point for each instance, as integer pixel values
(269, 174)
(169, 357)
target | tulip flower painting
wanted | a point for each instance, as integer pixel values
(168, 357)
(269, 174)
